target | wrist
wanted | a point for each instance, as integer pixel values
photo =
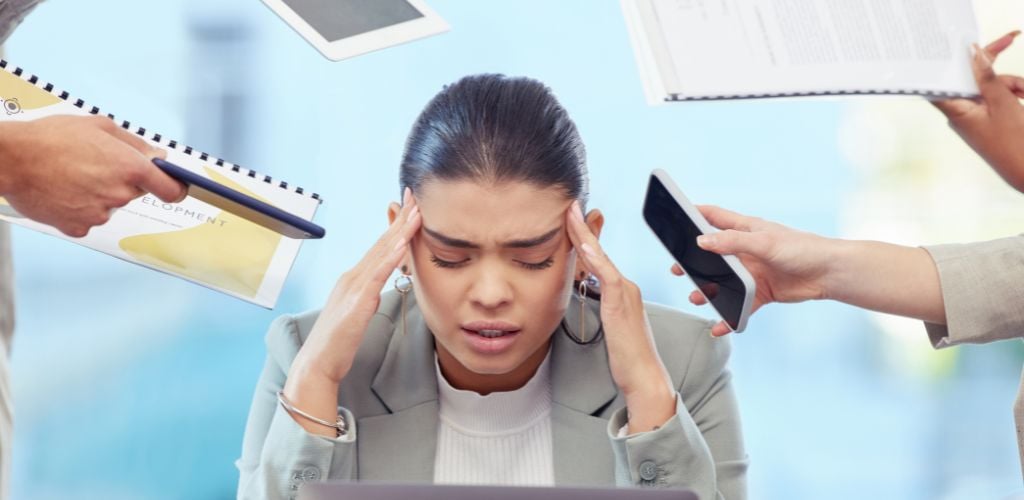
(838, 267)
(312, 371)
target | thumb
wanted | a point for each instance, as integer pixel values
(993, 91)
(731, 242)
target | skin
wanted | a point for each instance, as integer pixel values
(794, 266)
(489, 273)
(72, 172)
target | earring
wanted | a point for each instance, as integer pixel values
(403, 284)
(582, 291)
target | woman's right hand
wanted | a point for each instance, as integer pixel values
(787, 265)
(328, 353)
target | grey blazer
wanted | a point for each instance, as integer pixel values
(983, 291)
(391, 395)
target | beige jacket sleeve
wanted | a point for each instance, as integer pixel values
(983, 291)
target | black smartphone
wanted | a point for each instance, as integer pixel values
(722, 279)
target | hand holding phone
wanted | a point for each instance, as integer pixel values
(721, 279)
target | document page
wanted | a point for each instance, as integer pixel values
(753, 47)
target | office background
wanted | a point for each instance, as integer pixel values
(131, 384)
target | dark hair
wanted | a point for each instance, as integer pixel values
(494, 128)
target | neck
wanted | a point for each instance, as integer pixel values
(460, 377)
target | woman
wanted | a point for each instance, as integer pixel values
(493, 360)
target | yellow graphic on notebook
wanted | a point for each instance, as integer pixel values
(191, 239)
(18, 95)
(242, 256)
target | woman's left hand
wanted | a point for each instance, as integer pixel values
(632, 355)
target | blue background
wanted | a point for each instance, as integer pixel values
(132, 384)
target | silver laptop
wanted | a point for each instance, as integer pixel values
(384, 491)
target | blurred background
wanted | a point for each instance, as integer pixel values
(135, 385)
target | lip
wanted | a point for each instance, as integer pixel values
(490, 346)
(504, 326)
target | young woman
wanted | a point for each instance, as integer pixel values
(495, 359)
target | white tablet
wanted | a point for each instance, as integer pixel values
(340, 29)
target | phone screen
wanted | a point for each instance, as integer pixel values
(712, 274)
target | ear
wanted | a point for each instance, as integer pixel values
(393, 210)
(595, 221)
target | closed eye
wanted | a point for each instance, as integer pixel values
(447, 264)
(538, 265)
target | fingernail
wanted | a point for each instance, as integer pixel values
(705, 241)
(587, 249)
(406, 195)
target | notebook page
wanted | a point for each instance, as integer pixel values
(753, 47)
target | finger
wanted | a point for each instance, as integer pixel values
(163, 186)
(137, 143)
(731, 242)
(727, 219)
(993, 91)
(590, 249)
(1014, 83)
(997, 47)
(697, 298)
(720, 329)
(677, 270)
(398, 251)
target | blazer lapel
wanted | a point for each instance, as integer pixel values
(581, 387)
(404, 440)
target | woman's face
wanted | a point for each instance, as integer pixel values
(493, 269)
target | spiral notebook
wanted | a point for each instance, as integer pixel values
(742, 49)
(191, 240)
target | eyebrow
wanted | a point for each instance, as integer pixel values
(524, 243)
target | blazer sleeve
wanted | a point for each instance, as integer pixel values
(701, 446)
(983, 291)
(278, 455)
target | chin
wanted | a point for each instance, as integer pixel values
(492, 366)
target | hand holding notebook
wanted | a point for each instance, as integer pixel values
(189, 238)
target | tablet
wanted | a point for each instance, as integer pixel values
(241, 204)
(340, 29)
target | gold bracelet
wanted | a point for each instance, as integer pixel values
(340, 426)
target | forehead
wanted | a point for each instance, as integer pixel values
(487, 212)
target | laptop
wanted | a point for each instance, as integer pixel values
(390, 491)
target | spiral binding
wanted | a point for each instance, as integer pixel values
(676, 97)
(155, 137)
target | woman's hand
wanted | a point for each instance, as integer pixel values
(327, 355)
(632, 356)
(994, 124)
(787, 265)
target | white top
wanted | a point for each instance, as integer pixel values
(503, 438)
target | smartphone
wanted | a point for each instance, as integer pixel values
(241, 204)
(722, 279)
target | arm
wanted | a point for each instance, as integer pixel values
(701, 446)
(282, 450)
(793, 266)
(278, 455)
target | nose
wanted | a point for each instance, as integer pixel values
(491, 289)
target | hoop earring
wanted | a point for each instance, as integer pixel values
(581, 290)
(403, 284)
